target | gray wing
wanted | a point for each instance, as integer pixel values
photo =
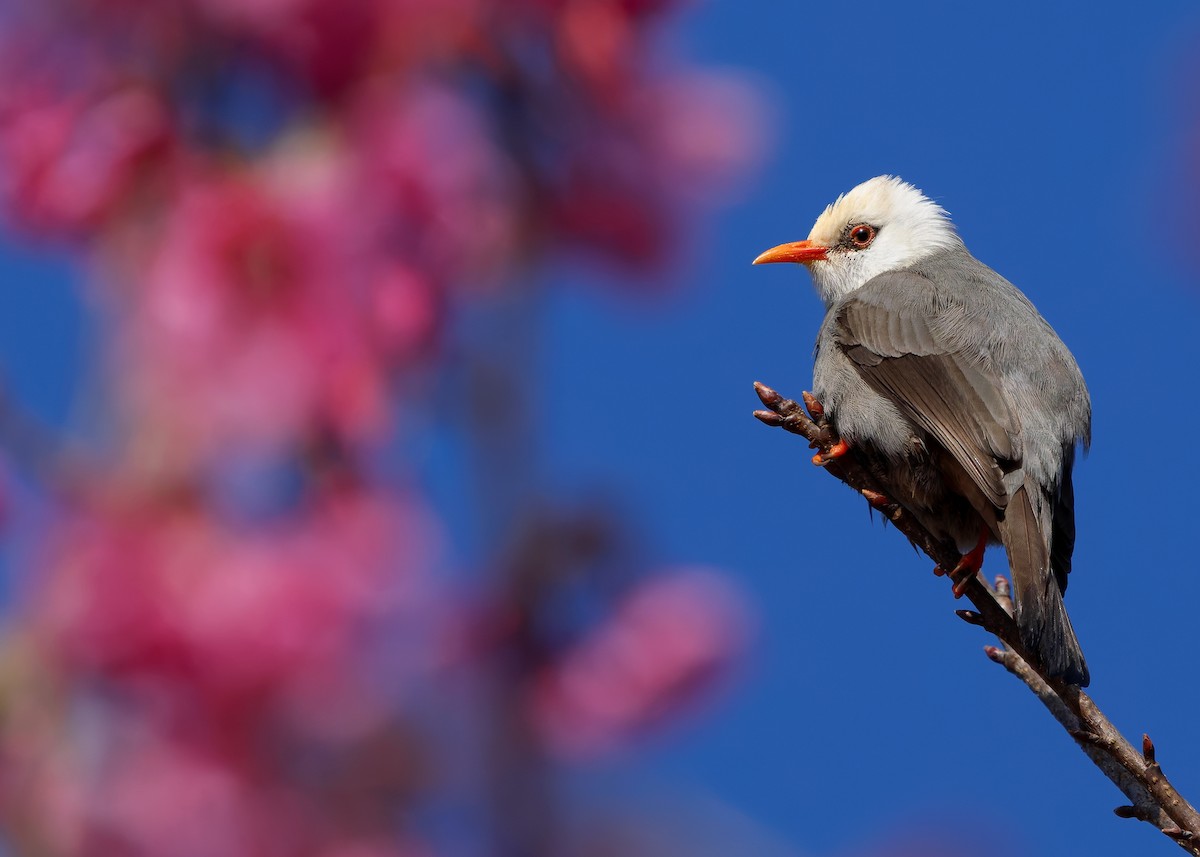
(922, 353)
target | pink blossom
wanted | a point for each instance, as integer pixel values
(162, 797)
(704, 129)
(241, 615)
(405, 312)
(248, 325)
(70, 161)
(412, 34)
(284, 202)
(665, 145)
(667, 641)
(363, 847)
(324, 40)
(449, 194)
(120, 786)
(605, 208)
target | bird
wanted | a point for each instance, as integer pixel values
(936, 365)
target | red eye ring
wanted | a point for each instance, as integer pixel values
(862, 235)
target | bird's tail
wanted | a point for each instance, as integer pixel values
(1042, 617)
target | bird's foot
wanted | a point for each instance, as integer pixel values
(836, 451)
(813, 426)
(968, 566)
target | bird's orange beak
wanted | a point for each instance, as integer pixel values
(796, 251)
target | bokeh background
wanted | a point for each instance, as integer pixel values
(379, 476)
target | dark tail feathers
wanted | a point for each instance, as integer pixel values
(1041, 615)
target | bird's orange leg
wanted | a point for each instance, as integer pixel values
(969, 566)
(836, 451)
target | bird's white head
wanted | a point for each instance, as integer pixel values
(884, 224)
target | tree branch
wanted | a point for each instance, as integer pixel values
(1137, 774)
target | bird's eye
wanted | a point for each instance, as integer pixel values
(862, 235)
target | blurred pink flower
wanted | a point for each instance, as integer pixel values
(449, 197)
(248, 325)
(422, 33)
(243, 616)
(285, 202)
(162, 797)
(633, 177)
(378, 848)
(404, 314)
(663, 645)
(70, 160)
(704, 129)
(606, 206)
(128, 785)
(325, 41)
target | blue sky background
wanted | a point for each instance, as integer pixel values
(1061, 137)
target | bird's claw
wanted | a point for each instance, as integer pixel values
(968, 567)
(836, 451)
(961, 581)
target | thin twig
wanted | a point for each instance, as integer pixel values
(1137, 774)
